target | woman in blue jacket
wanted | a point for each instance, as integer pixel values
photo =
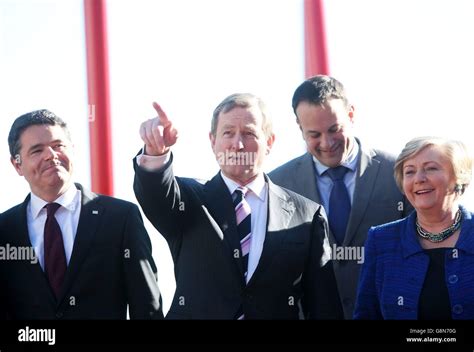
(422, 267)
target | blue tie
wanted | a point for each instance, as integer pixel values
(339, 203)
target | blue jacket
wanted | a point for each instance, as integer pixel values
(395, 267)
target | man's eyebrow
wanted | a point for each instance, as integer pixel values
(35, 146)
(227, 127)
(40, 145)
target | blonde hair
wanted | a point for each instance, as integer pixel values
(454, 150)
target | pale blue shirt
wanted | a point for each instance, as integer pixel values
(67, 217)
(324, 182)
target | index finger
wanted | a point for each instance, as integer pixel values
(161, 114)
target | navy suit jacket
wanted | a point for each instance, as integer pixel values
(111, 266)
(395, 267)
(293, 278)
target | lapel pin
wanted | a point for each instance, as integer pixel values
(95, 212)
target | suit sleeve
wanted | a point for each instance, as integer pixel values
(140, 270)
(367, 302)
(321, 298)
(159, 195)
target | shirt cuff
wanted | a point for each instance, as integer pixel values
(152, 162)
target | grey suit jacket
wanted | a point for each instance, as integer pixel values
(198, 222)
(111, 266)
(376, 200)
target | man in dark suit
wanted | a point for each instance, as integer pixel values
(243, 248)
(84, 256)
(367, 195)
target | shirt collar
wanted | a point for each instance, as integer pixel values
(257, 186)
(66, 200)
(350, 162)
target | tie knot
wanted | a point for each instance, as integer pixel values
(239, 194)
(241, 191)
(51, 208)
(337, 173)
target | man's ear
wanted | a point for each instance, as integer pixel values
(16, 162)
(270, 141)
(351, 113)
(212, 138)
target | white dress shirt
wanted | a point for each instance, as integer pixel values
(257, 198)
(67, 217)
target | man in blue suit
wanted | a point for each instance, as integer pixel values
(367, 195)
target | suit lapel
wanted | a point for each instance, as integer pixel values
(365, 181)
(37, 272)
(220, 211)
(280, 212)
(306, 178)
(278, 201)
(89, 219)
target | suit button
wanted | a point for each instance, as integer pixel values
(452, 279)
(457, 309)
(59, 315)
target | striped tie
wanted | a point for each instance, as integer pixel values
(242, 212)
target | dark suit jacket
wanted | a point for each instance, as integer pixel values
(198, 222)
(376, 200)
(111, 266)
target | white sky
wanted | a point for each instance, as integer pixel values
(408, 65)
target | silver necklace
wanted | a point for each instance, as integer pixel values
(441, 236)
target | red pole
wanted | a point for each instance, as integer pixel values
(316, 59)
(99, 99)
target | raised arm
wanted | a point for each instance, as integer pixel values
(158, 133)
(156, 188)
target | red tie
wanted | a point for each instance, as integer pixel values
(54, 257)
